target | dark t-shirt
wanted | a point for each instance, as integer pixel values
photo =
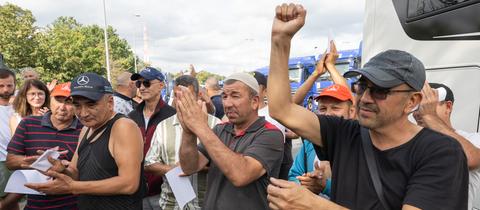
(217, 102)
(38, 133)
(429, 171)
(262, 141)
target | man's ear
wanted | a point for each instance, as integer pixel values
(413, 102)
(449, 105)
(256, 102)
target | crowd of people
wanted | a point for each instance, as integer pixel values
(359, 150)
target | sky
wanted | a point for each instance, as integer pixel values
(214, 35)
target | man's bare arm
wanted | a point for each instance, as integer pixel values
(127, 150)
(302, 91)
(330, 61)
(239, 169)
(191, 160)
(18, 162)
(286, 23)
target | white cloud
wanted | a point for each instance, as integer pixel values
(219, 36)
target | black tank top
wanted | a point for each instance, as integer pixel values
(96, 163)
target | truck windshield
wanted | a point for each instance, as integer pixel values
(295, 74)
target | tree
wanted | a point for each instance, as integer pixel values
(202, 76)
(67, 48)
(17, 37)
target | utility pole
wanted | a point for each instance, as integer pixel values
(107, 53)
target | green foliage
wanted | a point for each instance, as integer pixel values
(17, 37)
(65, 48)
(61, 50)
(202, 76)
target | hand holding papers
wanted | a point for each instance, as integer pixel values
(42, 163)
(20, 177)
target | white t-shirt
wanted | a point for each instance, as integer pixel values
(474, 175)
(263, 112)
(5, 135)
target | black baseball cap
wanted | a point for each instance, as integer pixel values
(392, 68)
(91, 86)
(261, 78)
(449, 94)
(148, 73)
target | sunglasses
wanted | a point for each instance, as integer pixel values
(146, 83)
(375, 92)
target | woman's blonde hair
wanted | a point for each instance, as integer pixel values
(21, 105)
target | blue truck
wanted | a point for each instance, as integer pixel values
(300, 68)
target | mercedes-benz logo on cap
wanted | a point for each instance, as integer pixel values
(83, 80)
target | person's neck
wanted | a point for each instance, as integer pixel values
(394, 135)
(4, 102)
(59, 124)
(211, 92)
(108, 117)
(151, 105)
(36, 111)
(124, 91)
(238, 128)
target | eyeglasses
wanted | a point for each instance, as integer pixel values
(37, 94)
(376, 92)
(146, 83)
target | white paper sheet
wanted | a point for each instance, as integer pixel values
(181, 186)
(42, 162)
(17, 181)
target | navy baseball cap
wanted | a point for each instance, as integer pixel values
(261, 78)
(392, 68)
(148, 73)
(91, 86)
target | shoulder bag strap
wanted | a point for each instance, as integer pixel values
(372, 166)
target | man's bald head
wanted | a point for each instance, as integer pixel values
(124, 79)
(212, 83)
(125, 85)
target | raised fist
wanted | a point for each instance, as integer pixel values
(289, 18)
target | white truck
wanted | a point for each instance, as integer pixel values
(443, 34)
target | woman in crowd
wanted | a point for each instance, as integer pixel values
(32, 99)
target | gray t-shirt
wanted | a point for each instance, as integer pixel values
(262, 141)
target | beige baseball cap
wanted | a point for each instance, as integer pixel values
(246, 78)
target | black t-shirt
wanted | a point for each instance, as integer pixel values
(217, 102)
(429, 171)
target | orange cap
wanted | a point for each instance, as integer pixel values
(61, 90)
(337, 91)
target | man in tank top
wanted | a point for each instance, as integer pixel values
(106, 169)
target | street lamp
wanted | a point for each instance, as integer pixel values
(107, 53)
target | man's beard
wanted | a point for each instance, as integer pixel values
(6, 96)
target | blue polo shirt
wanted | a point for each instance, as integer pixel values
(38, 133)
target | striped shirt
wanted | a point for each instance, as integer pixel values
(164, 149)
(38, 133)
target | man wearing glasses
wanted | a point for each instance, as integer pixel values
(417, 168)
(147, 115)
